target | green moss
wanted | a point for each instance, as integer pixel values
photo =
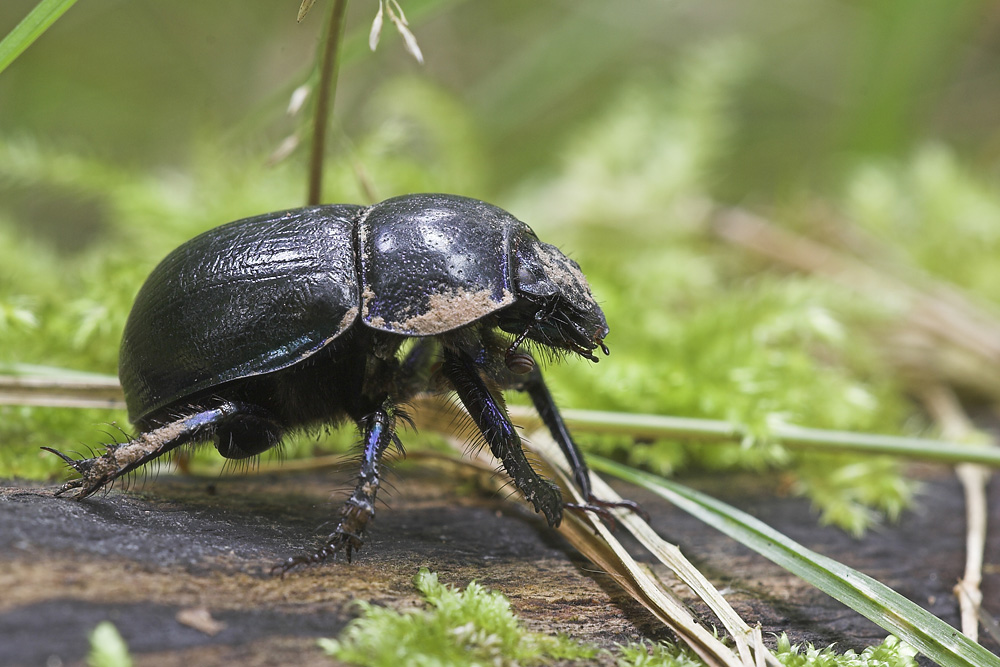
(662, 654)
(470, 627)
(890, 653)
(934, 213)
(107, 648)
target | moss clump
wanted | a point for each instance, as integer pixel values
(890, 653)
(474, 626)
(107, 648)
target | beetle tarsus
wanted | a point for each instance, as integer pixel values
(338, 541)
(603, 509)
(378, 429)
(95, 473)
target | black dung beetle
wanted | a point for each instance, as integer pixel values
(298, 318)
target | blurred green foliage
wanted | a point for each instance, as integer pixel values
(931, 211)
(611, 128)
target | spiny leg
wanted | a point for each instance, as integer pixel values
(500, 434)
(379, 430)
(119, 459)
(535, 386)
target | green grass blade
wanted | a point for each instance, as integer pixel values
(928, 634)
(30, 28)
(788, 435)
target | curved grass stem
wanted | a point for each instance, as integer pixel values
(324, 99)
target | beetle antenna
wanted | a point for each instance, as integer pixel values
(512, 350)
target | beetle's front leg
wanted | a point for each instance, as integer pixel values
(120, 459)
(379, 430)
(535, 386)
(492, 420)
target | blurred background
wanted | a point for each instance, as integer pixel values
(813, 88)
(637, 136)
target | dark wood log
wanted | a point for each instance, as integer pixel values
(145, 558)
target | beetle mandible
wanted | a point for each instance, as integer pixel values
(297, 318)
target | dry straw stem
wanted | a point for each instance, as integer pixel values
(61, 391)
(64, 389)
(942, 404)
(324, 96)
(630, 574)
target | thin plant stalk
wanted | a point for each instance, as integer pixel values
(324, 99)
(31, 28)
(22, 384)
(944, 406)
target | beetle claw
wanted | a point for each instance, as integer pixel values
(73, 463)
(339, 540)
(89, 481)
(602, 508)
(68, 486)
(603, 512)
(629, 505)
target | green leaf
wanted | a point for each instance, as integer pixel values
(876, 601)
(30, 28)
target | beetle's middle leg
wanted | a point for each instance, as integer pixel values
(378, 432)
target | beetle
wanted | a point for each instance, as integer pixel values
(298, 318)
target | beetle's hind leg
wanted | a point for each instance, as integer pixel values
(379, 431)
(122, 458)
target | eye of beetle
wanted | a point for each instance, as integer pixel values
(524, 276)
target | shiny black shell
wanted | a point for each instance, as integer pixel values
(261, 294)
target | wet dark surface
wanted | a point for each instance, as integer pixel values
(145, 558)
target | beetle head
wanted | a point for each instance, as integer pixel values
(555, 306)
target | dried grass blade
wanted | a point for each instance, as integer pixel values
(671, 556)
(593, 539)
